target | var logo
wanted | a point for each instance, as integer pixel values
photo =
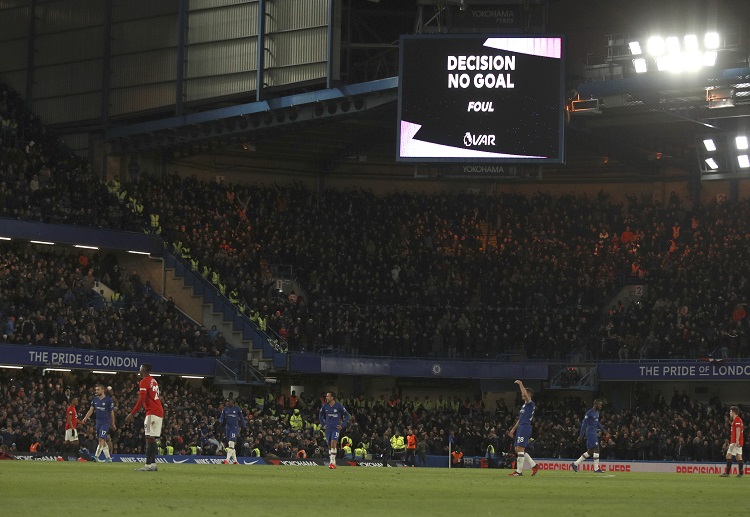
(472, 140)
(476, 106)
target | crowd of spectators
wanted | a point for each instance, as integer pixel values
(430, 283)
(50, 298)
(424, 284)
(418, 275)
(42, 180)
(32, 410)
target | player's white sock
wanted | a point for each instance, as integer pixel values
(98, 451)
(519, 463)
(596, 461)
(530, 460)
(583, 458)
(332, 454)
(106, 452)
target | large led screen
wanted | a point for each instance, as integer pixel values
(481, 98)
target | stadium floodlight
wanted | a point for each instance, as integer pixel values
(43, 242)
(693, 61)
(139, 252)
(709, 58)
(709, 144)
(711, 40)
(664, 63)
(640, 65)
(192, 376)
(673, 45)
(691, 42)
(86, 247)
(11, 367)
(681, 62)
(712, 164)
(743, 161)
(58, 370)
(741, 142)
(656, 46)
(4, 238)
(104, 372)
(635, 48)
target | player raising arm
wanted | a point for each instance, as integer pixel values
(522, 431)
(590, 428)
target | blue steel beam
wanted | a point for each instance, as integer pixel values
(663, 81)
(339, 92)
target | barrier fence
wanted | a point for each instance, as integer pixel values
(608, 467)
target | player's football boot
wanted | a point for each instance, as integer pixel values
(107, 460)
(723, 475)
(225, 462)
(82, 460)
(515, 474)
(331, 465)
(574, 467)
(534, 470)
(598, 471)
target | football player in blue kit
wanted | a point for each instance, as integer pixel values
(590, 428)
(522, 431)
(105, 420)
(232, 417)
(333, 417)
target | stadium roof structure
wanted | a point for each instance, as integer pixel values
(320, 127)
(638, 127)
(649, 121)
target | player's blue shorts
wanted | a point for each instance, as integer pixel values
(102, 432)
(592, 440)
(523, 433)
(332, 434)
(232, 435)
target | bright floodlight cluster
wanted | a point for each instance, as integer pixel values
(739, 151)
(674, 54)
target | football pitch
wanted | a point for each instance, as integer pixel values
(40, 488)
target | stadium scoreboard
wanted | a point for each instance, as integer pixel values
(481, 98)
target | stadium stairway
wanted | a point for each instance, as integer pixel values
(489, 236)
(630, 293)
(203, 302)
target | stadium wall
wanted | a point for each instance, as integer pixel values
(617, 190)
(234, 172)
(86, 61)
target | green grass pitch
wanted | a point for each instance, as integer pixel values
(66, 488)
